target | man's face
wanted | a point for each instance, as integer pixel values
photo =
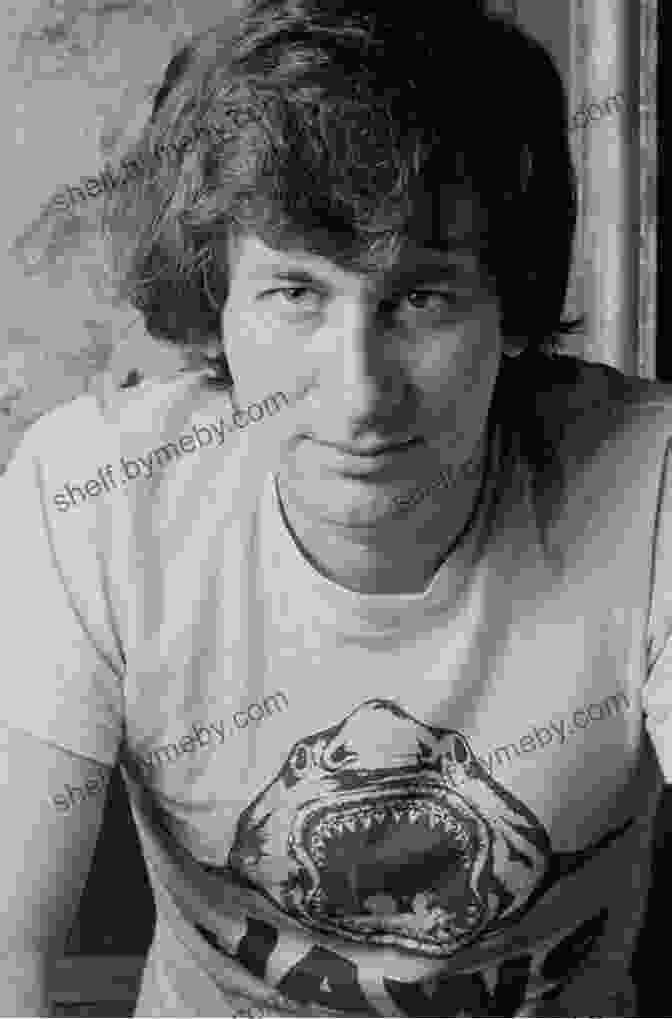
(410, 352)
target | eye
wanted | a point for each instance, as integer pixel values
(300, 758)
(460, 750)
(296, 294)
(339, 755)
(431, 300)
(301, 297)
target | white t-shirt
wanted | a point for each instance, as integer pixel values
(394, 805)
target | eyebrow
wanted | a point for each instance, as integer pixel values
(429, 269)
(434, 270)
(287, 275)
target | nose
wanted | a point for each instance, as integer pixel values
(371, 372)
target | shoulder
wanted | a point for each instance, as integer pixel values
(572, 387)
(76, 436)
(578, 408)
(74, 461)
(155, 406)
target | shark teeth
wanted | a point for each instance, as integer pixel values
(362, 818)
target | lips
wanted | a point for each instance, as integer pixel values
(375, 449)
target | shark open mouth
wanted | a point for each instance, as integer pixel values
(404, 865)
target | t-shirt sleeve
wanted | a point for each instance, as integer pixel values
(657, 692)
(63, 665)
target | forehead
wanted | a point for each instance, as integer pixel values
(458, 254)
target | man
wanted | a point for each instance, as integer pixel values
(375, 618)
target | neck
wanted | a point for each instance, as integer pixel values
(401, 556)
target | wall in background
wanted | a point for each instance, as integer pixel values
(607, 48)
(81, 75)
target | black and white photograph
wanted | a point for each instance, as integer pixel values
(335, 510)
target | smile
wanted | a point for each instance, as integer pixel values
(375, 449)
(378, 450)
(357, 461)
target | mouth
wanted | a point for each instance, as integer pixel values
(374, 449)
(406, 864)
(375, 460)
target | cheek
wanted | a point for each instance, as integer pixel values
(262, 357)
(462, 363)
(481, 355)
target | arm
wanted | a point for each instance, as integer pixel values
(50, 823)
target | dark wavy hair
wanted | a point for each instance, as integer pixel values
(327, 122)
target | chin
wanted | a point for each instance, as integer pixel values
(360, 508)
(348, 501)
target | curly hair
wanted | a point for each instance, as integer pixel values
(326, 122)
